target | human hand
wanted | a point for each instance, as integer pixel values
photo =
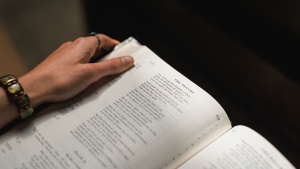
(67, 71)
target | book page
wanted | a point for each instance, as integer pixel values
(240, 148)
(148, 117)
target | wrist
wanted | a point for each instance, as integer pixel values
(33, 90)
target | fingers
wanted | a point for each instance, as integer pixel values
(111, 66)
(89, 48)
(106, 42)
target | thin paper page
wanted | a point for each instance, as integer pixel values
(148, 117)
(239, 148)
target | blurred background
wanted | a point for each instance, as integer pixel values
(243, 52)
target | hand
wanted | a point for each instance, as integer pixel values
(67, 71)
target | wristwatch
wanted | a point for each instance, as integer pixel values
(15, 92)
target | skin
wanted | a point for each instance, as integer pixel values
(65, 73)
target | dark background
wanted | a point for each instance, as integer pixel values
(244, 53)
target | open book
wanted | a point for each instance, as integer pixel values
(150, 117)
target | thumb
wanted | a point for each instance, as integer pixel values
(114, 66)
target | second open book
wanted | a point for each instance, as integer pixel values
(149, 117)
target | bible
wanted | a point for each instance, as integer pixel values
(149, 117)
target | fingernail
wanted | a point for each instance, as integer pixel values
(127, 61)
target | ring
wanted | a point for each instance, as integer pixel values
(98, 38)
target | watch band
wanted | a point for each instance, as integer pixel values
(15, 92)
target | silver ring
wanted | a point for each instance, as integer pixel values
(98, 38)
